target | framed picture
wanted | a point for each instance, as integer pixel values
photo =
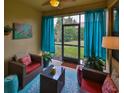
(22, 31)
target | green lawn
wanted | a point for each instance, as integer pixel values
(69, 51)
(72, 43)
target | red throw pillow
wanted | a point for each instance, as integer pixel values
(26, 60)
(109, 86)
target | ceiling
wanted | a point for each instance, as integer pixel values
(38, 4)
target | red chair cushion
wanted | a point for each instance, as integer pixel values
(32, 67)
(90, 86)
(109, 86)
(26, 60)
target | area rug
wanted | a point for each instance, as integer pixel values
(71, 83)
(70, 65)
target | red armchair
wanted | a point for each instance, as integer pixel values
(94, 81)
(26, 68)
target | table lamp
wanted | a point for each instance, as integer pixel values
(110, 43)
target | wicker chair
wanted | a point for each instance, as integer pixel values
(25, 73)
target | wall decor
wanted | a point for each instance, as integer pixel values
(22, 31)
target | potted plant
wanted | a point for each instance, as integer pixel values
(94, 63)
(7, 30)
(46, 58)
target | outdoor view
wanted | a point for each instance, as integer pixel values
(70, 36)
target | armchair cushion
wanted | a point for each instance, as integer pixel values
(90, 86)
(32, 67)
(109, 86)
(26, 60)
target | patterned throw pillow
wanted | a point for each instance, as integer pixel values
(115, 77)
(26, 60)
(19, 55)
(109, 86)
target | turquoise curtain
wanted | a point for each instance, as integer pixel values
(94, 30)
(116, 20)
(47, 39)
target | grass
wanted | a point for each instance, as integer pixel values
(72, 43)
(58, 51)
(69, 51)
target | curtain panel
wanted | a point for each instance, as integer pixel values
(47, 39)
(94, 30)
(116, 20)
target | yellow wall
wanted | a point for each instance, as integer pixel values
(18, 12)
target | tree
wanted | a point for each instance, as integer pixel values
(58, 28)
(70, 34)
(69, 20)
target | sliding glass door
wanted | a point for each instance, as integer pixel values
(69, 38)
(70, 44)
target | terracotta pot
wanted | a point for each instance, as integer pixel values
(7, 33)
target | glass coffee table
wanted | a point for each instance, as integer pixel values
(52, 83)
